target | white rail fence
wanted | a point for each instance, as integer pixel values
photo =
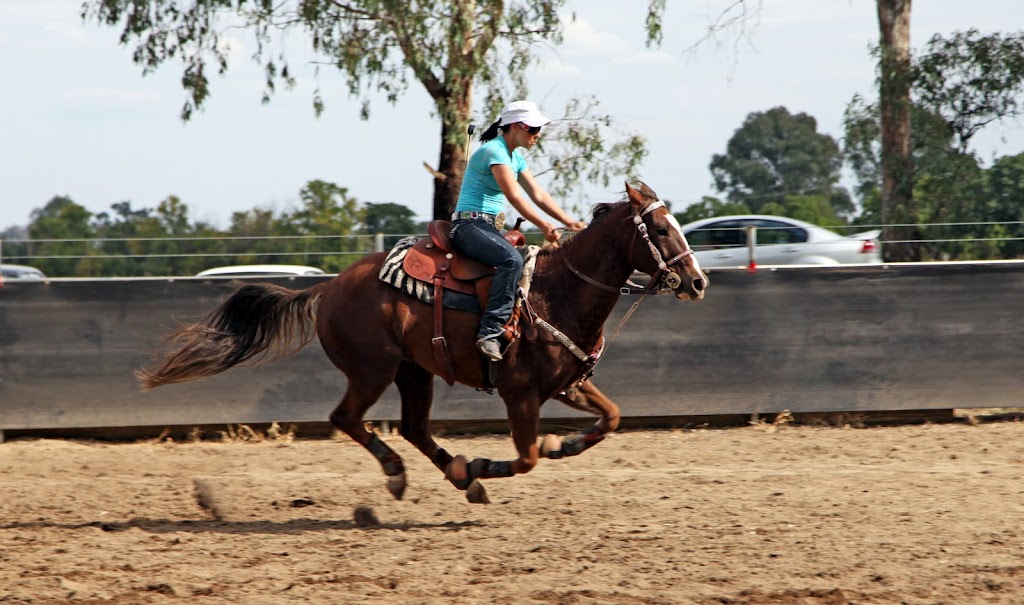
(1002, 243)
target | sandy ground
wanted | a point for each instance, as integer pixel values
(799, 515)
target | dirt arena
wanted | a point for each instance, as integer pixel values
(792, 515)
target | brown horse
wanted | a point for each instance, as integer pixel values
(378, 335)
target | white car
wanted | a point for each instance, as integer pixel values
(722, 242)
(259, 270)
(20, 273)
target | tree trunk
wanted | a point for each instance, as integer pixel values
(897, 203)
(451, 166)
(453, 104)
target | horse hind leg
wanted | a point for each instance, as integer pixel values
(348, 418)
(588, 398)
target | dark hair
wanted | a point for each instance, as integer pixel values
(491, 132)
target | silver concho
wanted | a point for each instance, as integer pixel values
(672, 280)
(499, 221)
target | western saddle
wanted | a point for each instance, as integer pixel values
(433, 260)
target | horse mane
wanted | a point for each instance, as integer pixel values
(646, 192)
(601, 210)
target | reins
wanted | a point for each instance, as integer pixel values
(663, 274)
(664, 280)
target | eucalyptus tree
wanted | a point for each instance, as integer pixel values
(1004, 189)
(897, 192)
(959, 84)
(324, 209)
(393, 221)
(778, 158)
(946, 182)
(449, 47)
(972, 80)
(63, 225)
(119, 232)
(708, 207)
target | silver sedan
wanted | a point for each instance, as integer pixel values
(722, 242)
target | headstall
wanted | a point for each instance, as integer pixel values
(663, 281)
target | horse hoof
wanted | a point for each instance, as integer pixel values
(457, 470)
(396, 485)
(550, 444)
(476, 494)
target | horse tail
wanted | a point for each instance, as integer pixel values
(258, 322)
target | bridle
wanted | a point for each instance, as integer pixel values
(664, 279)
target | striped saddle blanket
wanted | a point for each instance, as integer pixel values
(392, 273)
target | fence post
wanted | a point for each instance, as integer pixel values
(752, 248)
(378, 242)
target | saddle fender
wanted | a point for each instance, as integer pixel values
(433, 260)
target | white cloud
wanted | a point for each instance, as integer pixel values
(583, 40)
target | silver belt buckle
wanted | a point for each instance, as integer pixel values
(499, 221)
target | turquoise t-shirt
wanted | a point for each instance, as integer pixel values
(480, 192)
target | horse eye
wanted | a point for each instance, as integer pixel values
(662, 231)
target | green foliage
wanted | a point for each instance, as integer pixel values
(573, 150)
(817, 209)
(1004, 203)
(960, 84)
(709, 207)
(389, 218)
(325, 229)
(326, 209)
(862, 148)
(380, 46)
(953, 194)
(59, 220)
(971, 80)
(775, 154)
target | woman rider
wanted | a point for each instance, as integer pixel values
(495, 173)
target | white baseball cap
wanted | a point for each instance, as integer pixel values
(525, 112)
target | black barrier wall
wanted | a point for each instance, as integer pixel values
(896, 337)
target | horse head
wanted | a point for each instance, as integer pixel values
(660, 248)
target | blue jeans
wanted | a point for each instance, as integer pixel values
(478, 239)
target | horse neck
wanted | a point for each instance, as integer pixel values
(601, 252)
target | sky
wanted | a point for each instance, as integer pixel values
(77, 117)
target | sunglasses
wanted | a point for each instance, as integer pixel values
(531, 129)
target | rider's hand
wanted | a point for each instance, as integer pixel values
(576, 225)
(551, 234)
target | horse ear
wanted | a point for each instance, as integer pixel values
(635, 198)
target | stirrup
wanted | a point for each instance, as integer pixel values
(490, 348)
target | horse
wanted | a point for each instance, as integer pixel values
(377, 335)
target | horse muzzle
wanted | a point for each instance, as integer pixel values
(688, 287)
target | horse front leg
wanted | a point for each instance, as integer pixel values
(524, 418)
(588, 398)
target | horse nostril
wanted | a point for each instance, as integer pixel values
(699, 285)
